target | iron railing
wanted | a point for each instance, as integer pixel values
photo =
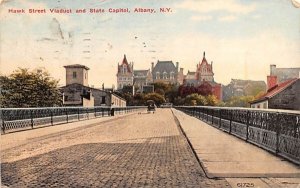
(15, 119)
(277, 131)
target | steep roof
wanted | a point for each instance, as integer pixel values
(275, 90)
(162, 66)
(125, 62)
(77, 66)
(204, 63)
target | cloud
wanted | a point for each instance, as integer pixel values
(230, 6)
(201, 18)
(229, 18)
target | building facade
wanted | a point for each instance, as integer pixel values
(167, 72)
(124, 74)
(78, 93)
(201, 81)
(141, 78)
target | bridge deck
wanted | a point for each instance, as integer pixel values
(137, 150)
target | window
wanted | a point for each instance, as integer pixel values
(103, 100)
(165, 75)
(172, 75)
(74, 75)
(157, 75)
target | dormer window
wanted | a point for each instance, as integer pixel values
(172, 75)
(165, 75)
(157, 75)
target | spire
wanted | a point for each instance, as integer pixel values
(204, 54)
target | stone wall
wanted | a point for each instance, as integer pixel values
(287, 99)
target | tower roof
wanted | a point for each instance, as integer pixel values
(125, 62)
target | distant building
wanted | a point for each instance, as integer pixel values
(124, 74)
(141, 78)
(167, 72)
(78, 93)
(285, 95)
(284, 74)
(201, 81)
(239, 87)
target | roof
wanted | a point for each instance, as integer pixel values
(275, 90)
(140, 72)
(125, 62)
(204, 63)
(77, 66)
(162, 66)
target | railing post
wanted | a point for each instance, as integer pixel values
(277, 132)
(51, 116)
(247, 124)
(220, 118)
(102, 110)
(78, 114)
(31, 117)
(230, 123)
(212, 117)
(67, 115)
(3, 122)
(87, 113)
(95, 112)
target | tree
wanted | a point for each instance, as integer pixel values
(29, 89)
(157, 98)
(211, 100)
(195, 99)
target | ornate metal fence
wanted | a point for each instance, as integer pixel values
(15, 119)
(277, 131)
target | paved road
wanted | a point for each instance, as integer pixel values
(140, 150)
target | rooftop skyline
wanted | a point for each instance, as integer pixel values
(242, 38)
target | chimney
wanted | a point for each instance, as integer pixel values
(271, 81)
(152, 66)
(177, 66)
(272, 70)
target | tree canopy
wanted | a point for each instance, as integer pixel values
(24, 88)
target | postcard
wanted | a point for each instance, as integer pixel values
(150, 93)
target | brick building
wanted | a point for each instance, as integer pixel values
(201, 81)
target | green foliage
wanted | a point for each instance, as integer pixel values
(239, 101)
(195, 99)
(157, 98)
(29, 89)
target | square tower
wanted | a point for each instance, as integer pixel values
(77, 74)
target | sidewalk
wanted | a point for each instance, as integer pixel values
(223, 155)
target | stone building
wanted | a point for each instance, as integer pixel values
(283, 90)
(201, 81)
(124, 74)
(141, 78)
(167, 72)
(239, 87)
(78, 93)
(284, 95)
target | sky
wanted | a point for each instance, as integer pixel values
(241, 37)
